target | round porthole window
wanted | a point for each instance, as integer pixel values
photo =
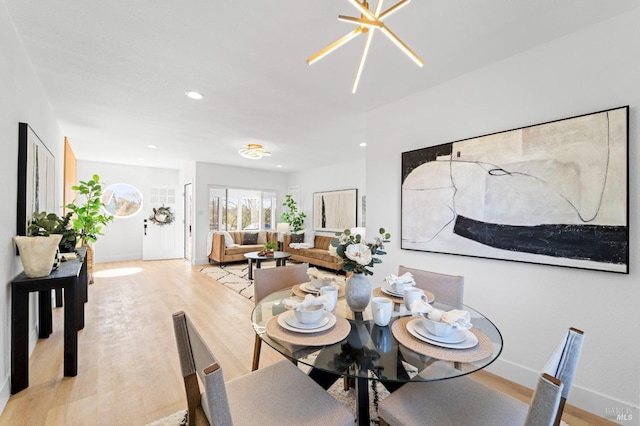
(122, 200)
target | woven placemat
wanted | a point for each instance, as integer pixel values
(483, 349)
(299, 292)
(377, 292)
(335, 334)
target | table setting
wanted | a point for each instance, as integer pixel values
(309, 322)
(318, 280)
(394, 288)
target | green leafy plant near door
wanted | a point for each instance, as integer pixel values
(293, 217)
(90, 217)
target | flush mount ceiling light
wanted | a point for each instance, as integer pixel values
(369, 21)
(193, 95)
(254, 151)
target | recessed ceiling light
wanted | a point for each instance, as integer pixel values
(193, 94)
(279, 166)
(363, 144)
(152, 146)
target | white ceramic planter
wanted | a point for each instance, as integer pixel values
(37, 254)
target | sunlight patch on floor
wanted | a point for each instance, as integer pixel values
(117, 272)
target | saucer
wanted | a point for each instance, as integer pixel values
(456, 335)
(470, 340)
(388, 289)
(309, 288)
(288, 321)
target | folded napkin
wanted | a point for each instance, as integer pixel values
(309, 300)
(313, 272)
(406, 278)
(457, 318)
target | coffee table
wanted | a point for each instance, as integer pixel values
(279, 256)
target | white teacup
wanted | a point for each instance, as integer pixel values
(332, 292)
(382, 308)
(411, 294)
(399, 287)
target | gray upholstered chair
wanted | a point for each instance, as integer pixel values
(448, 289)
(275, 395)
(465, 401)
(269, 280)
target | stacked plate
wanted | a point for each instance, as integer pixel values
(390, 289)
(288, 321)
(309, 288)
(458, 339)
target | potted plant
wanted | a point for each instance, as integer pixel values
(270, 247)
(90, 217)
(38, 248)
(293, 217)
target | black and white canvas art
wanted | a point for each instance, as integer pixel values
(335, 211)
(554, 193)
(36, 178)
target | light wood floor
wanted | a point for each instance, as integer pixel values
(128, 371)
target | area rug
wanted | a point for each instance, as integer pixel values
(235, 276)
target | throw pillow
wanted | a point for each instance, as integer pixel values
(250, 238)
(228, 239)
(297, 237)
(309, 238)
(262, 237)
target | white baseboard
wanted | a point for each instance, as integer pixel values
(585, 399)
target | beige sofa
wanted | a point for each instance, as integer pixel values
(222, 251)
(318, 256)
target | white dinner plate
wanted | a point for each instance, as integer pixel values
(456, 335)
(309, 288)
(470, 340)
(283, 321)
(293, 322)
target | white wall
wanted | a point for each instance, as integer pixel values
(588, 71)
(329, 178)
(21, 100)
(207, 174)
(122, 239)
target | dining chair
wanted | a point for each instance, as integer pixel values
(448, 289)
(464, 400)
(269, 280)
(275, 395)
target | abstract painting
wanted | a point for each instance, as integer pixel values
(335, 211)
(554, 193)
(36, 178)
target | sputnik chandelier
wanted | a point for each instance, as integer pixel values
(254, 151)
(369, 21)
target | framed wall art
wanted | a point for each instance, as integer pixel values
(554, 193)
(36, 178)
(335, 211)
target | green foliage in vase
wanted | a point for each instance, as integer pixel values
(270, 245)
(293, 217)
(90, 217)
(43, 224)
(358, 255)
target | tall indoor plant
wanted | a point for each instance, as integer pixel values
(90, 217)
(293, 217)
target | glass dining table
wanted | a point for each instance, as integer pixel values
(355, 347)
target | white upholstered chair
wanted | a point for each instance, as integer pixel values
(448, 289)
(465, 401)
(269, 280)
(279, 394)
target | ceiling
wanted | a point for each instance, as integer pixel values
(116, 71)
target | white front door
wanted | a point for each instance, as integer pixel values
(164, 224)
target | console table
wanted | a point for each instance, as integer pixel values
(71, 276)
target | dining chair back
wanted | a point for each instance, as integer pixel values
(448, 289)
(275, 395)
(464, 400)
(269, 280)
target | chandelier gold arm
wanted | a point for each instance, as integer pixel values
(366, 12)
(393, 9)
(360, 21)
(394, 38)
(362, 60)
(333, 46)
